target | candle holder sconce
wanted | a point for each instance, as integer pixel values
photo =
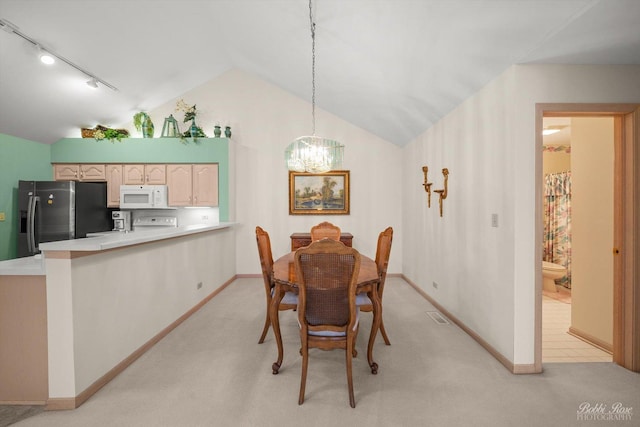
(443, 193)
(427, 185)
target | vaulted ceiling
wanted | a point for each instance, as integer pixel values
(392, 67)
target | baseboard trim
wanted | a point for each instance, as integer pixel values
(54, 404)
(513, 368)
(248, 276)
(590, 339)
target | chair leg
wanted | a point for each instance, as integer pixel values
(267, 323)
(349, 358)
(303, 377)
(384, 333)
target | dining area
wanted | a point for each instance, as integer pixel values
(328, 283)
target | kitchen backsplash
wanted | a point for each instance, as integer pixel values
(186, 216)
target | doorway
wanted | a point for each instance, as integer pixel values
(577, 291)
(626, 198)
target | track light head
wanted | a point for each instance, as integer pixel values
(92, 83)
(45, 57)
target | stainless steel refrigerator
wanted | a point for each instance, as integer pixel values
(50, 211)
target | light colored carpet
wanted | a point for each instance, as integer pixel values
(210, 371)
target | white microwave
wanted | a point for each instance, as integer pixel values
(143, 197)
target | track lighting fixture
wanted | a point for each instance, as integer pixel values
(47, 56)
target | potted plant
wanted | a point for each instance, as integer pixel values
(190, 113)
(142, 122)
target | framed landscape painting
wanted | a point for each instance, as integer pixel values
(319, 193)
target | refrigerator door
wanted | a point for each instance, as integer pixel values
(55, 211)
(92, 215)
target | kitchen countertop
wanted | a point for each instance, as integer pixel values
(27, 266)
(99, 242)
(112, 240)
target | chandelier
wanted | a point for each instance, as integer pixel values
(313, 153)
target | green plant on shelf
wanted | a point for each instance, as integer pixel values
(110, 134)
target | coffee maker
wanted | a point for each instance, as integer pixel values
(121, 220)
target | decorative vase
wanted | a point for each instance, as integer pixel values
(217, 132)
(193, 130)
(227, 131)
(147, 128)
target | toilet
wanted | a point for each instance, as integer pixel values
(550, 273)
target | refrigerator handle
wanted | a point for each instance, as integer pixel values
(31, 223)
(36, 247)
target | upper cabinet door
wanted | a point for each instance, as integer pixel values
(205, 185)
(133, 174)
(114, 181)
(93, 173)
(155, 174)
(64, 172)
(179, 185)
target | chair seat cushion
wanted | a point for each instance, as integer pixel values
(334, 333)
(289, 298)
(362, 299)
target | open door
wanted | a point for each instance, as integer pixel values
(625, 250)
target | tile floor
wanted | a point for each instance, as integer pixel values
(557, 344)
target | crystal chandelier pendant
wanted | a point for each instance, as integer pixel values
(314, 154)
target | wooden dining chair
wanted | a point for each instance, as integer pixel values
(325, 229)
(290, 299)
(383, 252)
(327, 273)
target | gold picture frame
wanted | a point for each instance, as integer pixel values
(319, 193)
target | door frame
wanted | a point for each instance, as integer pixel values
(626, 266)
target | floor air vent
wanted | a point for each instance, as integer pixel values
(438, 318)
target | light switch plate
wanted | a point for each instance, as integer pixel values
(494, 220)
(1, 216)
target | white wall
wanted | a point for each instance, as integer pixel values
(264, 119)
(487, 276)
(471, 262)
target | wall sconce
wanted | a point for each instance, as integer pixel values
(427, 185)
(443, 192)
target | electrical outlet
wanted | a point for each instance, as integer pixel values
(435, 285)
(199, 285)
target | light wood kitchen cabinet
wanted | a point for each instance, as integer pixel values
(114, 181)
(79, 172)
(193, 185)
(145, 174)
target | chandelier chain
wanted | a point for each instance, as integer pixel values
(313, 70)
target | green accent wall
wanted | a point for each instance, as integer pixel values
(151, 150)
(20, 159)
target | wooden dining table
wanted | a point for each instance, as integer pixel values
(284, 274)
